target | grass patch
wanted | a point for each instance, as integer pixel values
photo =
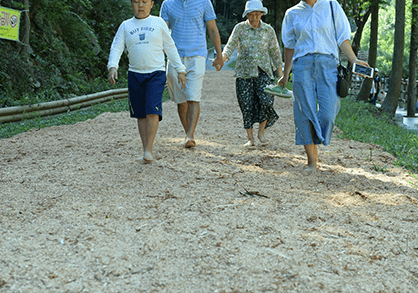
(364, 122)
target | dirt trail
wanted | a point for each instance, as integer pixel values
(80, 213)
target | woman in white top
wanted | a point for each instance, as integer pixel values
(311, 44)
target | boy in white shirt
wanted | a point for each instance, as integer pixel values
(146, 39)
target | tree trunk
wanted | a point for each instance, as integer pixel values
(391, 101)
(359, 32)
(412, 85)
(276, 12)
(26, 44)
(277, 20)
(366, 87)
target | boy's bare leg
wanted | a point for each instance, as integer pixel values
(148, 130)
(250, 136)
(261, 129)
(189, 115)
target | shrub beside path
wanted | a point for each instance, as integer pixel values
(80, 213)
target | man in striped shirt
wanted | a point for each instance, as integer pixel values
(188, 21)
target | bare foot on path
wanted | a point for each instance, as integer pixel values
(147, 158)
(99, 187)
(310, 169)
(188, 143)
(249, 143)
(262, 139)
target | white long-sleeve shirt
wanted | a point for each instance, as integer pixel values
(146, 40)
(311, 29)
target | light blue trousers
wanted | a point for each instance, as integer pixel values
(315, 98)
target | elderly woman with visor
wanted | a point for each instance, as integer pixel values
(258, 55)
(311, 44)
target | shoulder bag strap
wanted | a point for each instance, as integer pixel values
(335, 30)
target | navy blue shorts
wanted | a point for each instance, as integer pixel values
(146, 93)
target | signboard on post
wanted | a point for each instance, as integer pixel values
(9, 23)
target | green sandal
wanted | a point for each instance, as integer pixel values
(278, 90)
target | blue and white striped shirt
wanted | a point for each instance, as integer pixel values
(309, 29)
(187, 20)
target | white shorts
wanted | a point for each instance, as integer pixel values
(195, 71)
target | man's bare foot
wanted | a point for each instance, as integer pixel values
(145, 161)
(249, 143)
(147, 158)
(188, 143)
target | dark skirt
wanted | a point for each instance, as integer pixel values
(256, 106)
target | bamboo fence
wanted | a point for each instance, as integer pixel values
(18, 113)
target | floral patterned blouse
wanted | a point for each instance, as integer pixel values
(256, 48)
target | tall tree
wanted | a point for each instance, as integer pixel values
(364, 93)
(277, 10)
(412, 85)
(359, 11)
(228, 14)
(391, 101)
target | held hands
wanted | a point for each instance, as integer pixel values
(182, 79)
(225, 57)
(113, 75)
(218, 63)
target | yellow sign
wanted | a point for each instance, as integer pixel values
(9, 23)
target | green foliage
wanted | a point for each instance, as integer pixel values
(366, 123)
(105, 20)
(76, 85)
(156, 8)
(386, 35)
(228, 14)
(225, 27)
(70, 43)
